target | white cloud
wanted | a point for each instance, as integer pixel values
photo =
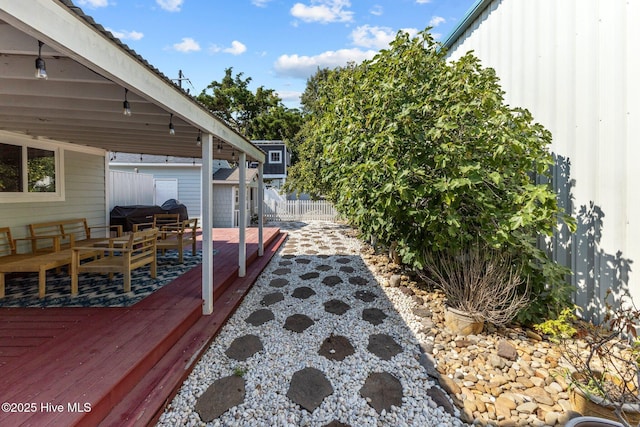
(170, 5)
(126, 35)
(323, 11)
(289, 95)
(187, 45)
(437, 20)
(304, 66)
(423, 1)
(260, 3)
(236, 48)
(375, 37)
(377, 10)
(94, 3)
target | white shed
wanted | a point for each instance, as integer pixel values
(574, 64)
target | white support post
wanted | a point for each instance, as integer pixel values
(242, 215)
(260, 209)
(207, 226)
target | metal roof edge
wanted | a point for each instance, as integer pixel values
(466, 21)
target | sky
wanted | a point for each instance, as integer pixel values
(279, 44)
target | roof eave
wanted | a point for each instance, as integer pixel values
(471, 15)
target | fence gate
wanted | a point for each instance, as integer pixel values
(299, 210)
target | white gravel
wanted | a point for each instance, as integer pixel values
(268, 372)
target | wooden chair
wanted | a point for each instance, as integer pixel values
(159, 221)
(178, 237)
(123, 254)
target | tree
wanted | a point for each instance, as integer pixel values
(423, 153)
(259, 115)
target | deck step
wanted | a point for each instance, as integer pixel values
(144, 404)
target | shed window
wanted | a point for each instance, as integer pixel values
(275, 157)
(29, 172)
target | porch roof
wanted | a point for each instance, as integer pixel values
(81, 101)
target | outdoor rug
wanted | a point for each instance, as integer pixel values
(96, 290)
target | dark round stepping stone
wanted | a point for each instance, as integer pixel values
(336, 306)
(383, 391)
(336, 347)
(259, 317)
(303, 260)
(308, 388)
(271, 299)
(332, 280)
(221, 396)
(347, 269)
(279, 283)
(288, 256)
(303, 292)
(244, 347)
(336, 423)
(323, 256)
(324, 267)
(282, 271)
(312, 252)
(285, 263)
(343, 260)
(298, 323)
(375, 316)
(383, 346)
(357, 280)
(365, 296)
(311, 275)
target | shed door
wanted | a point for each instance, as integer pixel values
(165, 189)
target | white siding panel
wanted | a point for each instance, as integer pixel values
(84, 197)
(574, 65)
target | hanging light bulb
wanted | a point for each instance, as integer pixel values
(41, 70)
(126, 108)
(219, 147)
(199, 139)
(172, 130)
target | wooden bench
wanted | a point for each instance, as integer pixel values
(71, 232)
(124, 254)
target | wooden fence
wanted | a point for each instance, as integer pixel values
(299, 210)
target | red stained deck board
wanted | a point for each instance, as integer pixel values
(147, 400)
(60, 371)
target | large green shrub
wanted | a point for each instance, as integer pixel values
(424, 153)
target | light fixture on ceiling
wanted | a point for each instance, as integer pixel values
(219, 147)
(126, 108)
(233, 155)
(41, 69)
(172, 130)
(199, 139)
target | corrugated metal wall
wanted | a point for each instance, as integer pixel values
(574, 64)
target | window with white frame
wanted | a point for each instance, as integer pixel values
(275, 157)
(29, 171)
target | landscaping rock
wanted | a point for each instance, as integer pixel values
(308, 387)
(298, 323)
(336, 347)
(336, 306)
(260, 317)
(272, 298)
(303, 292)
(375, 316)
(383, 346)
(279, 283)
(382, 391)
(244, 347)
(332, 280)
(221, 396)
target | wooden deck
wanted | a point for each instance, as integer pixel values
(119, 366)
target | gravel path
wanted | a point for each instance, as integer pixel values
(317, 295)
